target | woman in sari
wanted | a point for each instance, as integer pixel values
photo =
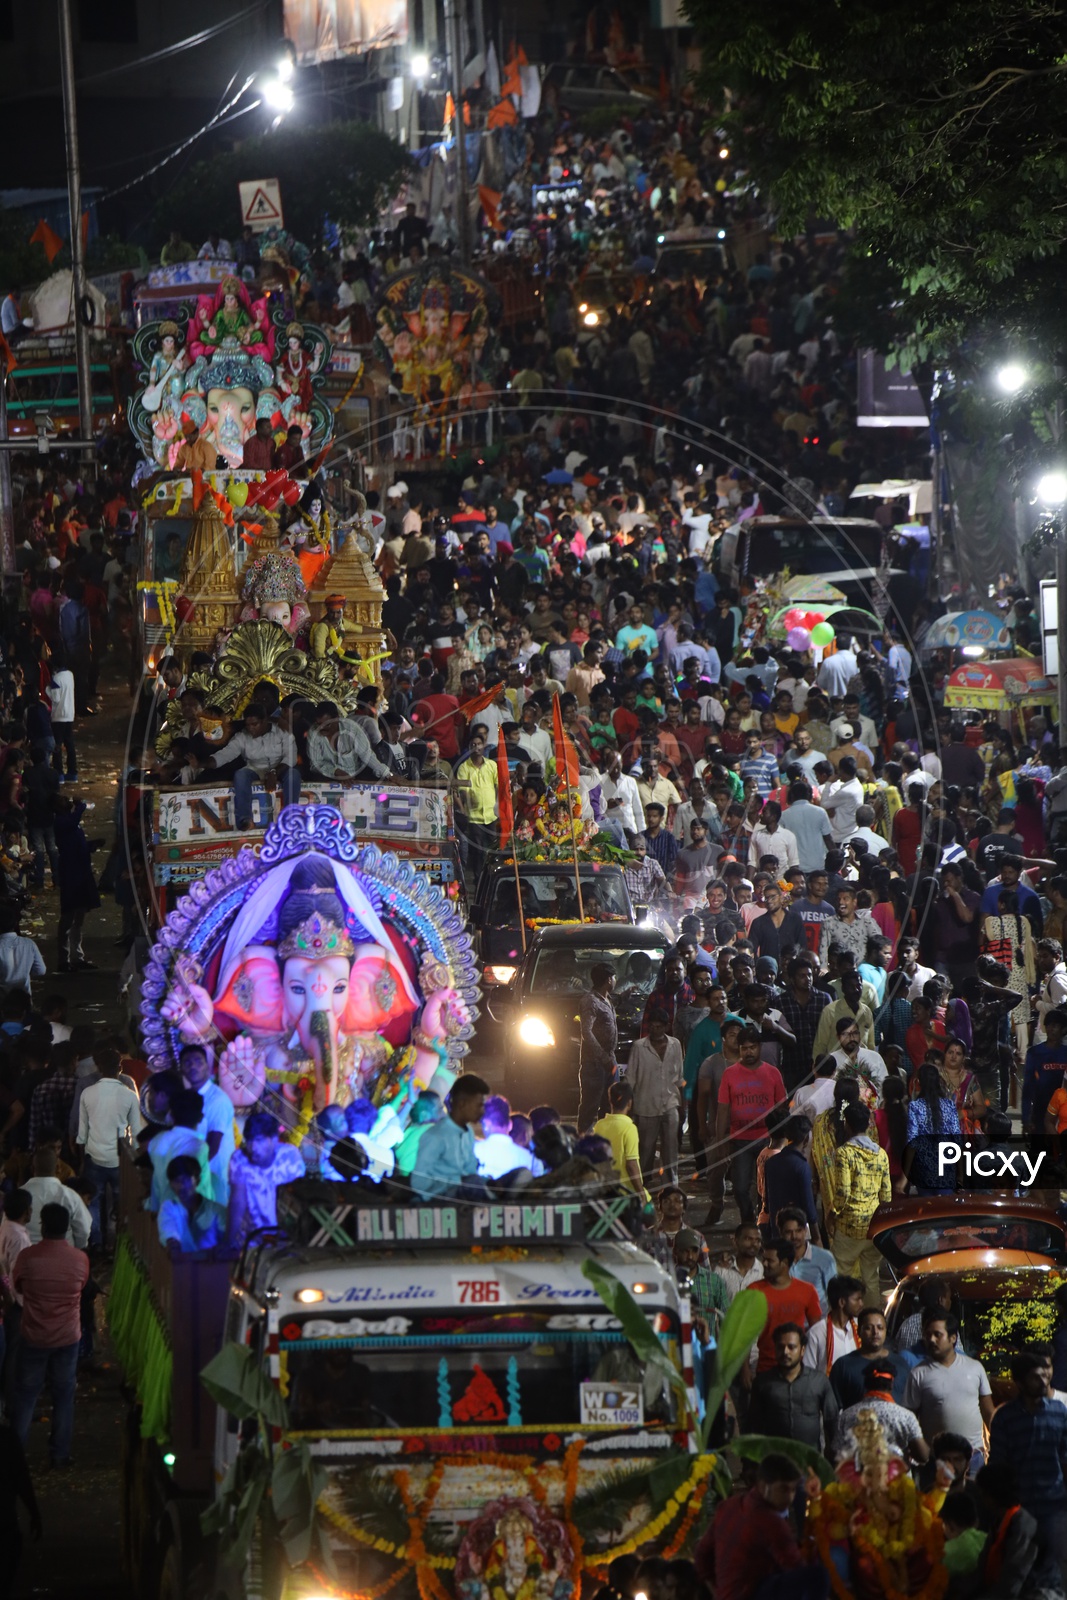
(1007, 937)
(961, 1084)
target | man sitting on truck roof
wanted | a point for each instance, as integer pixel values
(496, 1151)
(446, 1164)
(257, 1172)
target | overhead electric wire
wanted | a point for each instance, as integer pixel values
(217, 121)
(193, 42)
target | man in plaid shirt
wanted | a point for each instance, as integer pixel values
(53, 1098)
(707, 1292)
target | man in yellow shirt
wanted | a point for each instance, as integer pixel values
(861, 1185)
(620, 1130)
(475, 795)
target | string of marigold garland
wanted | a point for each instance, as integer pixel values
(414, 1553)
(703, 1466)
(682, 1532)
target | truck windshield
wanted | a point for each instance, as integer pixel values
(518, 1369)
(604, 898)
(569, 971)
(822, 547)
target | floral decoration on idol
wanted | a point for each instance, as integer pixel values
(878, 1537)
(317, 973)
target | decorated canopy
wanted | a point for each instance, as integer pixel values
(960, 628)
(1000, 685)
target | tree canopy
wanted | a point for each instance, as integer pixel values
(342, 170)
(935, 132)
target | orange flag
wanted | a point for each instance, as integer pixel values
(48, 239)
(502, 115)
(566, 754)
(503, 791)
(470, 708)
(490, 199)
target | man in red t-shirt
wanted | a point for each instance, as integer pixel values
(749, 1089)
(439, 714)
(49, 1278)
(788, 1300)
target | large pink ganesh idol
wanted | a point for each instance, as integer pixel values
(311, 990)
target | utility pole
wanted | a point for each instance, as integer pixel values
(454, 45)
(7, 503)
(74, 198)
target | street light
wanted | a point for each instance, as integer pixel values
(278, 95)
(420, 65)
(1011, 377)
(285, 68)
(1052, 489)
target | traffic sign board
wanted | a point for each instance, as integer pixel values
(261, 204)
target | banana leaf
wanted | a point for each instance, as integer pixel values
(754, 1446)
(296, 1483)
(235, 1380)
(740, 1328)
(626, 1311)
(233, 1514)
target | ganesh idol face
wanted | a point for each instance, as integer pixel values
(310, 986)
(231, 420)
(434, 322)
(277, 611)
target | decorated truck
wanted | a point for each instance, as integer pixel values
(379, 1395)
(408, 1381)
(195, 828)
(244, 621)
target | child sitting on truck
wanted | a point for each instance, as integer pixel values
(188, 1221)
(182, 1139)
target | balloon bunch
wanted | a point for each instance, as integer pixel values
(276, 486)
(805, 628)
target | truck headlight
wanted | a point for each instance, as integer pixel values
(536, 1033)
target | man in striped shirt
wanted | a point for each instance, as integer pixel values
(757, 763)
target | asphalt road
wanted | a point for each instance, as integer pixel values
(78, 1557)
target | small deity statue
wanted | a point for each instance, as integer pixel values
(272, 589)
(295, 369)
(229, 323)
(165, 385)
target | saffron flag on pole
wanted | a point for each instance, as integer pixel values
(566, 754)
(503, 791)
(49, 240)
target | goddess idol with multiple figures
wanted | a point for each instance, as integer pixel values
(221, 377)
(316, 974)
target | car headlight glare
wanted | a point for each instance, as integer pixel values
(501, 975)
(536, 1033)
